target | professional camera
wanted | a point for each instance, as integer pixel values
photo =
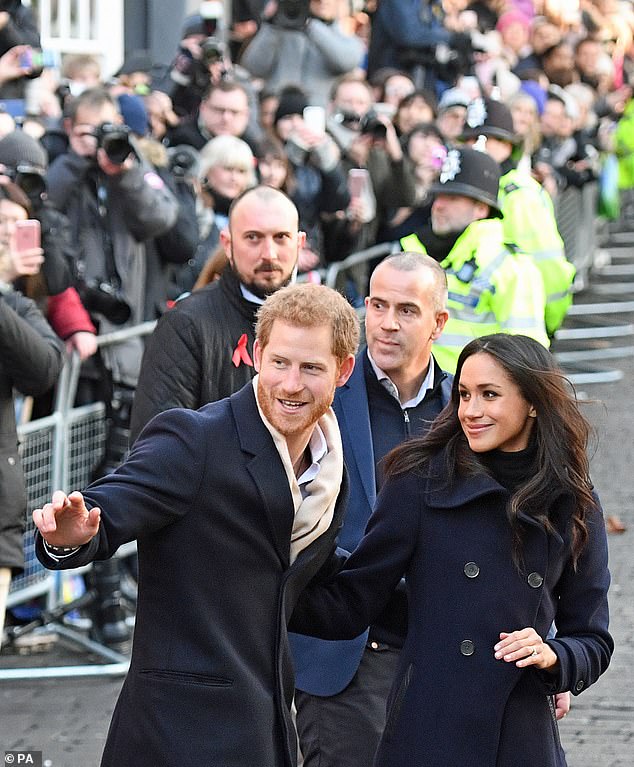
(115, 141)
(291, 14)
(370, 124)
(212, 50)
(346, 118)
(183, 162)
(30, 179)
(104, 298)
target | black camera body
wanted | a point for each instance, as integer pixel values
(291, 14)
(103, 298)
(370, 124)
(30, 179)
(347, 118)
(183, 162)
(115, 141)
(212, 50)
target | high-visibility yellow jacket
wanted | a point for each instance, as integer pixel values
(529, 222)
(493, 288)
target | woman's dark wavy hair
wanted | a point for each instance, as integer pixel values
(560, 433)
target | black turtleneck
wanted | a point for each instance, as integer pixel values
(511, 469)
(437, 246)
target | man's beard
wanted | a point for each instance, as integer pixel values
(288, 425)
(261, 291)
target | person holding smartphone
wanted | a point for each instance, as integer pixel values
(293, 46)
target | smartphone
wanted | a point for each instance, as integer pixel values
(38, 59)
(27, 235)
(358, 181)
(315, 119)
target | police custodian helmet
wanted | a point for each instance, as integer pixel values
(486, 117)
(470, 173)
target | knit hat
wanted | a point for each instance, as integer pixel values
(467, 172)
(512, 16)
(18, 148)
(134, 114)
(193, 25)
(136, 61)
(292, 102)
(536, 92)
(487, 117)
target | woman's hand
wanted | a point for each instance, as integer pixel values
(525, 648)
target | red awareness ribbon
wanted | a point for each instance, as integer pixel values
(240, 353)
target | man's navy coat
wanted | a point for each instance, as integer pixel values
(210, 681)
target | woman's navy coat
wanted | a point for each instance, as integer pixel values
(452, 703)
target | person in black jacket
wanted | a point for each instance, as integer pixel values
(235, 507)
(31, 357)
(17, 28)
(201, 350)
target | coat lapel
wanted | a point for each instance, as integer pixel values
(266, 469)
(352, 409)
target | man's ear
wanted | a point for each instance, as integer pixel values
(257, 355)
(225, 240)
(441, 321)
(345, 370)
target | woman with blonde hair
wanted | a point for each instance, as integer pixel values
(226, 169)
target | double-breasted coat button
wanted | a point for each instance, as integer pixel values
(471, 570)
(467, 647)
(580, 685)
(374, 645)
(11, 460)
(535, 580)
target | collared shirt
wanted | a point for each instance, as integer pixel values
(318, 449)
(390, 386)
(249, 296)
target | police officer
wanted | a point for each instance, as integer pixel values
(493, 286)
(528, 214)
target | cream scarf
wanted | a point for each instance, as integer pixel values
(314, 513)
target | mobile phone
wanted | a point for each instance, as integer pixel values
(315, 119)
(27, 235)
(35, 58)
(358, 181)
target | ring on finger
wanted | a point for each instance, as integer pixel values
(532, 653)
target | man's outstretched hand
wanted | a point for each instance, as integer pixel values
(66, 521)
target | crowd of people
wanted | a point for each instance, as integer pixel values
(277, 142)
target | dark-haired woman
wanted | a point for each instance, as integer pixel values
(492, 520)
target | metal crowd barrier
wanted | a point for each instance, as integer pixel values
(61, 451)
(598, 326)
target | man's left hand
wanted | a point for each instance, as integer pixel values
(113, 168)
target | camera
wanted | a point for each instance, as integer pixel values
(291, 14)
(212, 50)
(115, 141)
(103, 298)
(183, 162)
(30, 179)
(346, 118)
(370, 124)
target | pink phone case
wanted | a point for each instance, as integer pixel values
(27, 235)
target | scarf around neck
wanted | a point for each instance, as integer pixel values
(314, 513)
